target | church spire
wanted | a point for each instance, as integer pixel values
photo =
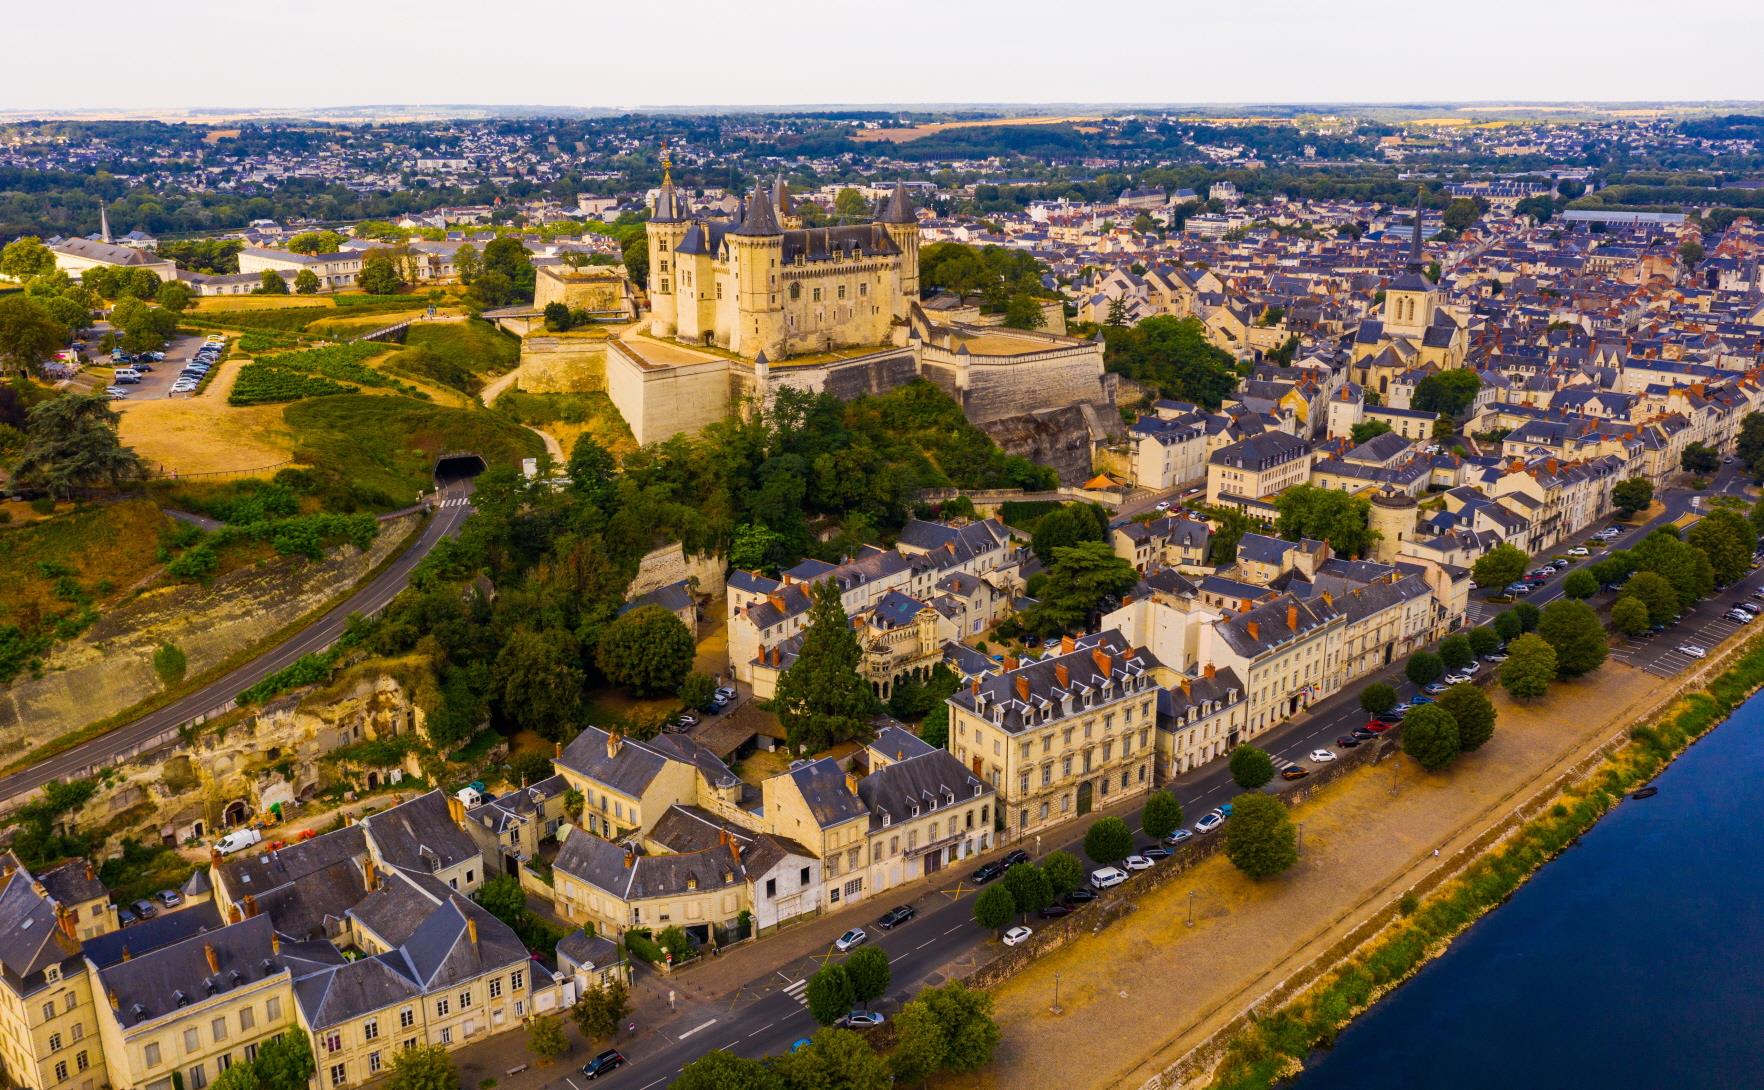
(103, 223)
(667, 205)
(1415, 241)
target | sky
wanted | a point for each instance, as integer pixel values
(583, 53)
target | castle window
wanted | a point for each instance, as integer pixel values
(795, 292)
(842, 291)
(664, 286)
(719, 291)
(817, 295)
(863, 289)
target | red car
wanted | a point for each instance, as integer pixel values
(1376, 727)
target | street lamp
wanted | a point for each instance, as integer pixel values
(1191, 908)
(1056, 1002)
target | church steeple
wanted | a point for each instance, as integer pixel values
(1415, 240)
(103, 223)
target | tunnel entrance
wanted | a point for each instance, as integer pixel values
(458, 465)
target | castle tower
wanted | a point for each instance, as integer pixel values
(665, 228)
(903, 227)
(1393, 516)
(756, 251)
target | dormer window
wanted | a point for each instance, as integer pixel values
(915, 809)
(887, 818)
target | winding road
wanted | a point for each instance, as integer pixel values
(453, 507)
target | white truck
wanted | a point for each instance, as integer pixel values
(237, 840)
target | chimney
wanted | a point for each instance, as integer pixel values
(275, 943)
(126, 955)
(1062, 675)
(110, 993)
(1187, 689)
(735, 850)
(213, 958)
(250, 906)
(370, 877)
(1010, 663)
(1066, 645)
(348, 820)
(64, 920)
(1022, 688)
(1243, 605)
(472, 930)
(630, 857)
(851, 782)
(1126, 599)
(1104, 663)
(613, 741)
(234, 915)
(37, 888)
(974, 687)
(1255, 630)
(91, 874)
(214, 858)
(1328, 598)
(556, 751)
(1292, 617)
(456, 810)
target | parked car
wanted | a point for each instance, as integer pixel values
(1739, 615)
(1459, 678)
(1376, 726)
(1137, 863)
(1393, 716)
(144, 909)
(1209, 822)
(1014, 857)
(1695, 651)
(1347, 741)
(1016, 935)
(1107, 877)
(1178, 837)
(1495, 656)
(1080, 896)
(610, 1060)
(1163, 505)
(1419, 699)
(1437, 687)
(1155, 852)
(170, 898)
(851, 940)
(1519, 590)
(1055, 911)
(1322, 756)
(988, 871)
(1473, 668)
(861, 1020)
(1580, 550)
(237, 840)
(1294, 772)
(124, 917)
(896, 916)
(726, 692)
(1362, 734)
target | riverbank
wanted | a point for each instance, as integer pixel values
(1270, 1041)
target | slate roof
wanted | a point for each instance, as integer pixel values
(760, 219)
(1261, 452)
(927, 781)
(258, 874)
(898, 743)
(813, 244)
(164, 980)
(1103, 658)
(629, 771)
(73, 883)
(1271, 629)
(341, 993)
(823, 788)
(148, 935)
(601, 863)
(29, 939)
(593, 951)
(420, 835)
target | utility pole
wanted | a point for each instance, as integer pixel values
(1191, 908)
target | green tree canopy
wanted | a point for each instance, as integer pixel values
(1340, 518)
(821, 698)
(1632, 495)
(1174, 358)
(1108, 841)
(539, 682)
(306, 282)
(1367, 429)
(1377, 698)
(1259, 839)
(1030, 889)
(1530, 667)
(1629, 616)
(1455, 651)
(71, 447)
(1064, 872)
(1573, 629)
(836, 1059)
(1472, 711)
(425, 1067)
(1484, 640)
(1507, 625)
(648, 650)
(1580, 584)
(270, 282)
(600, 1010)
(1726, 537)
(380, 274)
(546, 1039)
(867, 969)
(1448, 393)
(1685, 569)
(1499, 566)
(1528, 615)
(723, 1070)
(29, 334)
(1162, 815)
(25, 257)
(1251, 767)
(1430, 735)
(316, 242)
(285, 1062)
(1077, 582)
(995, 907)
(969, 1033)
(1424, 668)
(829, 994)
(1700, 458)
(1063, 527)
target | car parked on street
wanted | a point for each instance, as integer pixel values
(1155, 852)
(1055, 911)
(1376, 726)
(1695, 651)
(1437, 687)
(896, 916)
(1209, 822)
(1107, 877)
(1348, 741)
(170, 898)
(1017, 935)
(1294, 772)
(1580, 550)
(1013, 858)
(1080, 896)
(986, 872)
(861, 1020)
(1459, 678)
(851, 940)
(1322, 756)
(610, 1060)
(1180, 836)
(1137, 863)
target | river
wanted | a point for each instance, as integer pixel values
(1636, 959)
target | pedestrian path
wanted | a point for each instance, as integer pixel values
(796, 990)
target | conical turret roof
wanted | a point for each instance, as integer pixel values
(900, 206)
(759, 219)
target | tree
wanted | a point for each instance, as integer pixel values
(1500, 566)
(240, 1076)
(1656, 594)
(867, 969)
(529, 767)
(1699, 458)
(546, 1039)
(1528, 615)
(995, 907)
(1064, 872)
(306, 282)
(1507, 625)
(1367, 429)
(380, 275)
(1108, 841)
(1687, 570)
(836, 1059)
(175, 296)
(1484, 640)
(1066, 526)
(1377, 698)
(1173, 357)
(723, 1070)
(1259, 839)
(425, 1067)
(538, 684)
(1448, 393)
(600, 1010)
(25, 257)
(1162, 815)
(1530, 667)
(1690, 251)
(1340, 518)
(697, 690)
(829, 994)
(270, 283)
(648, 650)
(503, 898)
(1251, 767)
(1580, 584)
(934, 730)
(593, 473)
(1617, 566)
(1424, 668)
(1023, 312)
(1455, 651)
(1079, 580)
(1030, 887)
(1573, 629)
(284, 1062)
(1629, 616)
(822, 699)
(1460, 213)
(1727, 539)
(316, 242)
(944, 1029)
(1472, 711)
(507, 256)
(28, 333)
(71, 445)
(467, 263)
(1632, 495)
(1430, 735)
(919, 1044)
(1117, 316)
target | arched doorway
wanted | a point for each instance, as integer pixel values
(1084, 798)
(236, 813)
(373, 780)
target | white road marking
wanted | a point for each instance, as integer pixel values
(762, 1029)
(695, 1029)
(922, 945)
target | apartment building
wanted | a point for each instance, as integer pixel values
(1286, 650)
(1258, 467)
(1199, 719)
(1059, 735)
(49, 1027)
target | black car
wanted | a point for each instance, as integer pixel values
(1155, 851)
(1081, 895)
(988, 871)
(1347, 741)
(896, 916)
(1393, 717)
(1018, 856)
(1055, 911)
(610, 1060)
(1364, 735)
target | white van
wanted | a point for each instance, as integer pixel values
(237, 840)
(127, 374)
(1107, 877)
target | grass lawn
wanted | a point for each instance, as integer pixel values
(459, 355)
(348, 324)
(381, 451)
(567, 417)
(97, 551)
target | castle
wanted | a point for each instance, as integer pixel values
(764, 292)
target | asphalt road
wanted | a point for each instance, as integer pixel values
(455, 508)
(765, 1016)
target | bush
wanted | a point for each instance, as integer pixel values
(1251, 767)
(169, 663)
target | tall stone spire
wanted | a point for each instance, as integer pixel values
(1415, 241)
(103, 223)
(667, 205)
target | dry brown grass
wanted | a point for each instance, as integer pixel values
(914, 132)
(204, 434)
(209, 304)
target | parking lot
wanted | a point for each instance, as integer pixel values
(156, 384)
(1704, 626)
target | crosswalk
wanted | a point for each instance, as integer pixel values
(796, 990)
(456, 501)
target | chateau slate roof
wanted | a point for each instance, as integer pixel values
(900, 206)
(930, 780)
(420, 835)
(828, 243)
(164, 980)
(759, 220)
